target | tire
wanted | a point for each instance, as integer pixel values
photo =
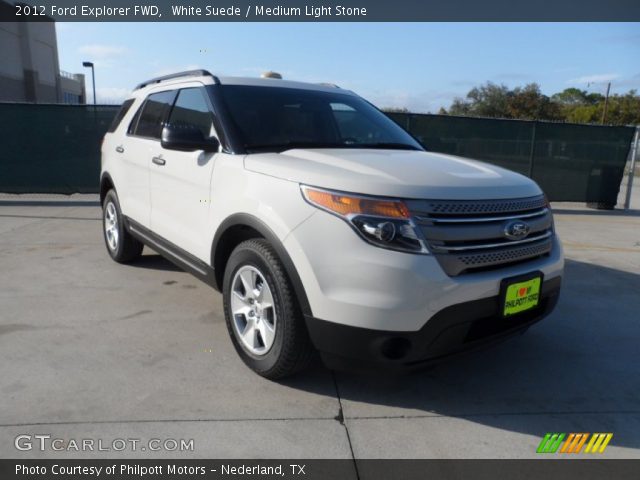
(121, 245)
(265, 322)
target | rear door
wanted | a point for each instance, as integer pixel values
(143, 139)
(180, 181)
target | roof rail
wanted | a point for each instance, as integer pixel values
(327, 84)
(188, 73)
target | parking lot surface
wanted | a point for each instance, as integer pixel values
(93, 349)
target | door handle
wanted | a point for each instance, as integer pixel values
(119, 149)
(158, 161)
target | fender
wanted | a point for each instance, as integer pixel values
(246, 220)
(105, 177)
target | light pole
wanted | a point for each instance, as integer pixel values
(93, 78)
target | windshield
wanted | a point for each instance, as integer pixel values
(278, 119)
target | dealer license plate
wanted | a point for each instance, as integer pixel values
(520, 296)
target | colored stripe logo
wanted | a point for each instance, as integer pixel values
(574, 442)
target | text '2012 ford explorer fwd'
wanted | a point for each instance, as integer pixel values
(325, 225)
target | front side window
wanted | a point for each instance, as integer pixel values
(151, 117)
(277, 119)
(192, 111)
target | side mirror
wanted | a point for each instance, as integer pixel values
(187, 138)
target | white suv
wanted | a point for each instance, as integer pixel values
(325, 225)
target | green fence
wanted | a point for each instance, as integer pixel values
(577, 163)
(56, 149)
(51, 148)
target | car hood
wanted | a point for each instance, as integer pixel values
(394, 173)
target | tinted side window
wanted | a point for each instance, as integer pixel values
(192, 111)
(154, 111)
(121, 113)
(134, 121)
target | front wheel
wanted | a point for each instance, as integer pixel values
(262, 314)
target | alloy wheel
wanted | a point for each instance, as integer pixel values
(253, 310)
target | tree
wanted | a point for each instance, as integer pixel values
(460, 107)
(571, 96)
(579, 106)
(624, 109)
(491, 100)
(582, 114)
(488, 100)
(529, 103)
(395, 109)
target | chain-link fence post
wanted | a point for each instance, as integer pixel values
(632, 169)
(532, 152)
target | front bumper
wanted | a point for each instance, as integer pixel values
(454, 329)
(350, 282)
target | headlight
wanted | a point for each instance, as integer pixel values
(382, 222)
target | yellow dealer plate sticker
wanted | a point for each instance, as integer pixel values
(521, 296)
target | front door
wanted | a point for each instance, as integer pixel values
(180, 181)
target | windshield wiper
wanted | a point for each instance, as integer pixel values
(387, 146)
(282, 147)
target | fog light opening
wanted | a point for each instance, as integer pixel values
(395, 348)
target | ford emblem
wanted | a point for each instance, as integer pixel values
(516, 230)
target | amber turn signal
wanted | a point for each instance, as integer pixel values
(351, 205)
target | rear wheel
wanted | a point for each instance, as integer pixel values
(121, 245)
(262, 314)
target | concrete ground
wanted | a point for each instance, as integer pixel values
(93, 349)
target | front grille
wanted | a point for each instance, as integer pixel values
(504, 256)
(467, 236)
(465, 207)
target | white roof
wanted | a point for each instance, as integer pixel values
(249, 81)
(275, 82)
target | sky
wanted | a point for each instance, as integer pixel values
(419, 66)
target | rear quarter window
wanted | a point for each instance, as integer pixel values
(120, 115)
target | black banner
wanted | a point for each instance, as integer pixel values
(543, 468)
(321, 11)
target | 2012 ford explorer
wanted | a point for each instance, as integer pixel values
(324, 224)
